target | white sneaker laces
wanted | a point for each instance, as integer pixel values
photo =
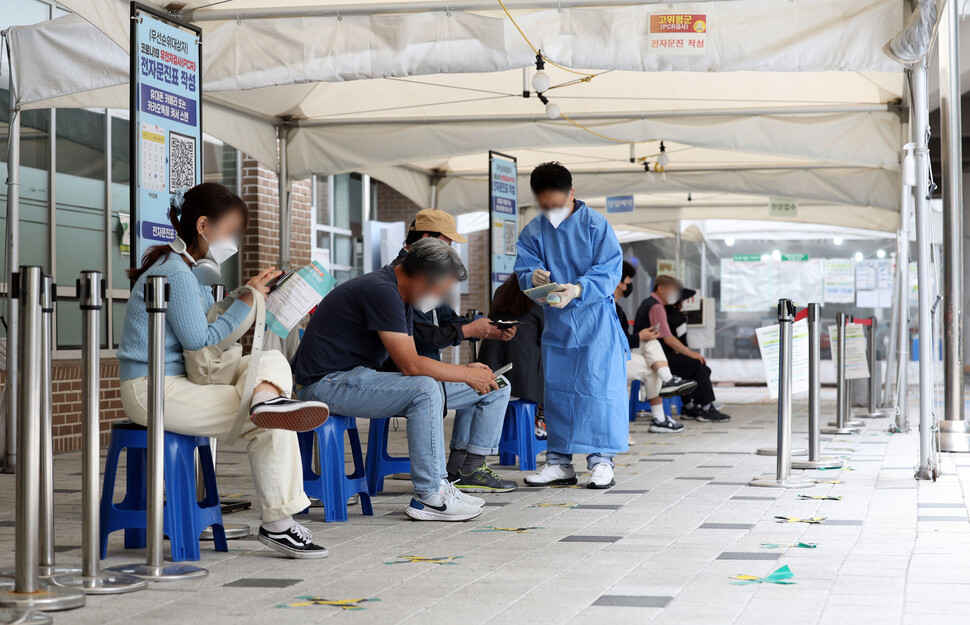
(449, 493)
(599, 470)
(302, 532)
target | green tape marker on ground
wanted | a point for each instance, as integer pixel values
(779, 576)
(799, 545)
(343, 604)
(790, 519)
(422, 560)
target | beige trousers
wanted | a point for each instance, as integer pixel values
(210, 410)
(640, 367)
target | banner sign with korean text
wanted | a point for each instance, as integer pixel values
(166, 121)
(503, 214)
(678, 34)
(620, 204)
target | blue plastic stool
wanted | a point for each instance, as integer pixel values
(184, 517)
(332, 486)
(635, 404)
(669, 402)
(519, 436)
(379, 463)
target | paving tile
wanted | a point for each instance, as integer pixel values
(597, 506)
(727, 484)
(941, 519)
(590, 539)
(844, 522)
(633, 601)
(725, 526)
(693, 477)
(749, 555)
(716, 466)
(962, 506)
(256, 582)
(617, 491)
(752, 498)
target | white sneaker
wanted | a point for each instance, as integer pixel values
(553, 475)
(630, 441)
(601, 476)
(445, 505)
(469, 499)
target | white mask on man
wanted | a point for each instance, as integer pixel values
(427, 303)
(673, 298)
(222, 250)
(558, 215)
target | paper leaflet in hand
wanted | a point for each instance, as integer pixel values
(296, 297)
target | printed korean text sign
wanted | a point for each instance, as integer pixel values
(503, 215)
(166, 122)
(678, 34)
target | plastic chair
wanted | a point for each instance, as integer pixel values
(519, 436)
(670, 402)
(184, 516)
(379, 463)
(635, 404)
(332, 486)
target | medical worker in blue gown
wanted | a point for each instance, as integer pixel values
(583, 349)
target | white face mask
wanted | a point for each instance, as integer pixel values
(558, 215)
(673, 298)
(427, 303)
(221, 251)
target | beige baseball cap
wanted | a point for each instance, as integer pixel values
(434, 220)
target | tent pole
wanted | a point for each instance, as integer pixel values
(618, 116)
(677, 242)
(284, 230)
(954, 431)
(887, 378)
(927, 466)
(13, 261)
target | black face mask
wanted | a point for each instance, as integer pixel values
(627, 290)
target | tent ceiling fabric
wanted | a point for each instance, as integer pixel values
(445, 87)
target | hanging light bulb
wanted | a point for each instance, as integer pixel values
(881, 254)
(552, 110)
(663, 159)
(909, 166)
(540, 80)
(837, 240)
(858, 257)
(729, 241)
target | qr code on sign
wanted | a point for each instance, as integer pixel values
(509, 231)
(181, 161)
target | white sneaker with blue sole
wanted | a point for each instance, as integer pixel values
(447, 504)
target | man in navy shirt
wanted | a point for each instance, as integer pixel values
(359, 325)
(478, 418)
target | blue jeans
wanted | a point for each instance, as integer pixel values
(363, 392)
(556, 458)
(478, 418)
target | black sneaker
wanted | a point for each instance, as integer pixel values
(293, 543)
(691, 413)
(677, 387)
(713, 416)
(484, 480)
(668, 426)
(281, 413)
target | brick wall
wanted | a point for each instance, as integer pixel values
(66, 406)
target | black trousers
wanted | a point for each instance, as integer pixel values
(692, 369)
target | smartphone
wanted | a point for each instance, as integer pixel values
(656, 328)
(504, 325)
(498, 377)
(280, 280)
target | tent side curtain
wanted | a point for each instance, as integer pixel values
(92, 72)
(762, 35)
(869, 139)
(859, 187)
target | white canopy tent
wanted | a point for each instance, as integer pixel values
(800, 111)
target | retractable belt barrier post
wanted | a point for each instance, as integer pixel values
(782, 477)
(28, 591)
(155, 569)
(871, 411)
(841, 423)
(815, 394)
(90, 294)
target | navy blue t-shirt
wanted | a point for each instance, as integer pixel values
(342, 333)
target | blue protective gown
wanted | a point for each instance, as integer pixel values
(583, 349)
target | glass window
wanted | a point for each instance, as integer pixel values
(120, 200)
(80, 192)
(322, 198)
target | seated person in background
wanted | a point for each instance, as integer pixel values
(650, 364)
(683, 361)
(524, 350)
(354, 330)
(700, 405)
(209, 218)
(478, 418)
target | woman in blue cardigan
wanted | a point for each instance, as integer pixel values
(208, 219)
